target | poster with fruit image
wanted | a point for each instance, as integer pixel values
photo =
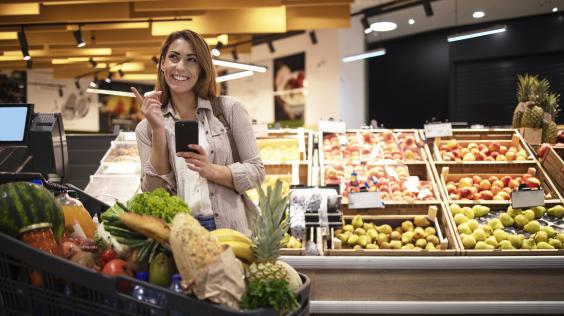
(289, 90)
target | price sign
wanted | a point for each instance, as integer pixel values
(332, 126)
(527, 198)
(438, 130)
(365, 200)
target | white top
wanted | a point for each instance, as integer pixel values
(193, 189)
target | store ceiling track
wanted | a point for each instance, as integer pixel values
(133, 30)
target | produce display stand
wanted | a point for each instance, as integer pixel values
(553, 163)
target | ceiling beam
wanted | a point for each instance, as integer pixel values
(311, 17)
(19, 9)
(179, 5)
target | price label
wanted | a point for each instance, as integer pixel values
(365, 200)
(528, 198)
(260, 129)
(438, 130)
(332, 126)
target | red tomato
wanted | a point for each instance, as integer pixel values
(117, 267)
(107, 256)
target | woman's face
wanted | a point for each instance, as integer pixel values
(180, 66)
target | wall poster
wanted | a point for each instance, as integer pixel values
(289, 90)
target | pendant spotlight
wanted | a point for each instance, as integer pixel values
(78, 37)
(365, 25)
(271, 47)
(428, 8)
(23, 44)
(234, 54)
(92, 62)
(313, 37)
(216, 51)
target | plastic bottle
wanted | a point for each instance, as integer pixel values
(176, 287)
(147, 295)
(74, 210)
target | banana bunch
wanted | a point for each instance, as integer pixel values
(241, 244)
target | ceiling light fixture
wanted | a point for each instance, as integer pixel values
(555, 9)
(108, 79)
(23, 44)
(78, 37)
(365, 55)
(77, 83)
(478, 14)
(28, 64)
(411, 21)
(92, 62)
(428, 8)
(313, 37)
(121, 73)
(477, 33)
(383, 26)
(61, 92)
(365, 25)
(111, 92)
(271, 47)
(94, 82)
(235, 75)
(242, 66)
(216, 51)
(234, 54)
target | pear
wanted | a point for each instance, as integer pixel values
(460, 218)
(421, 243)
(544, 245)
(386, 229)
(549, 231)
(381, 238)
(432, 239)
(468, 212)
(532, 227)
(468, 241)
(395, 244)
(486, 228)
(506, 219)
(348, 228)
(421, 221)
(399, 230)
(480, 245)
(492, 241)
(360, 231)
(495, 224)
(430, 246)
(407, 247)
(539, 211)
(395, 235)
(363, 240)
(560, 236)
(418, 233)
(357, 247)
(417, 248)
(540, 236)
(372, 233)
(357, 221)
(385, 245)
(344, 236)
(500, 235)
(513, 211)
(338, 233)
(480, 234)
(473, 224)
(407, 226)
(480, 210)
(372, 246)
(555, 243)
(368, 226)
(464, 229)
(520, 221)
(530, 214)
(516, 240)
(529, 244)
(430, 231)
(556, 211)
(353, 240)
(455, 209)
(407, 237)
(506, 244)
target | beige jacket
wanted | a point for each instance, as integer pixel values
(228, 204)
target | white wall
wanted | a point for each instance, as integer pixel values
(334, 89)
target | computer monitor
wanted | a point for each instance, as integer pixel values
(15, 120)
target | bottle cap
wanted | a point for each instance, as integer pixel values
(176, 278)
(143, 276)
(37, 181)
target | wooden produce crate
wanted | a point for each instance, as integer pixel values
(553, 163)
(484, 134)
(495, 211)
(394, 217)
(485, 171)
(460, 147)
(287, 152)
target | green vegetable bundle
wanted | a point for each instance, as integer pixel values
(158, 203)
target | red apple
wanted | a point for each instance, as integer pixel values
(466, 192)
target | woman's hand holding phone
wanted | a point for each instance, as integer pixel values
(151, 107)
(197, 161)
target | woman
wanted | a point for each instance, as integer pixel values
(210, 181)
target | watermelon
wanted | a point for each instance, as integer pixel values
(24, 203)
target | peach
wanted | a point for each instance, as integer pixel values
(476, 196)
(474, 151)
(504, 195)
(498, 198)
(507, 190)
(501, 157)
(466, 192)
(472, 145)
(443, 147)
(483, 147)
(465, 182)
(494, 146)
(533, 182)
(498, 183)
(489, 159)
(513, 184)
(502, 150)
(505, 180)
(486, 195)
(464, 152)
(494, 154)
(493, 178)
(456, 153)
(451, 188)
(495, 189)
(510, 156)
(473, 189)
(520, 158)
(476, 179)
(454, 196)
(485, 184)
(480, 156)
(452, 144)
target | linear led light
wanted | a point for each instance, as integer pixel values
(235, 75)
(111, 92)
(242, 66)
(477, 33)
(368, 54)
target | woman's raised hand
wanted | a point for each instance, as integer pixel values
(151, 107)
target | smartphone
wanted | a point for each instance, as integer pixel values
(186, 133)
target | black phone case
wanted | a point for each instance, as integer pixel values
(186, 133)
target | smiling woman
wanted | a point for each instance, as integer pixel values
(225, 162)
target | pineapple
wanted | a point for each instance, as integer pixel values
(524, 91)
(268, 232)
(549, 128)
(534, 113)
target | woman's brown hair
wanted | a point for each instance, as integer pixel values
(206, 86)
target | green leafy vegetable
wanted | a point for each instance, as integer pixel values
(158, 203)
(270, 293)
